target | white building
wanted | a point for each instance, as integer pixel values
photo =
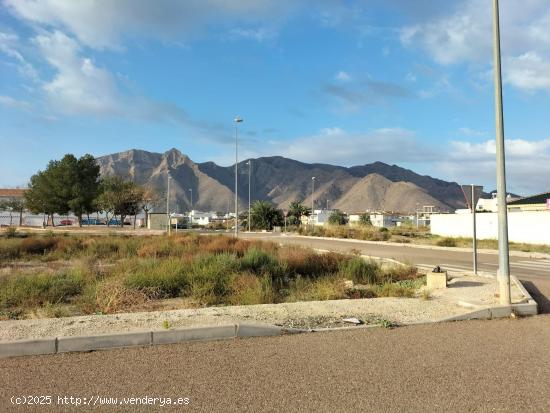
(386, 220)
(532, 227)
(201, 218)
(320, 216)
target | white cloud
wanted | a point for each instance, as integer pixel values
(465, 36)
(342, 76)
(105, 24)
(527, 164)
(337, 146)
(528, 72)
(9, 45)
(260, 34)
(79, 86)
(471, 132)
(13, 103)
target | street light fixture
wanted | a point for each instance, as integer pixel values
(237, 121)
(503, 274)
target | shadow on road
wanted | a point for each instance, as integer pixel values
(541, 299)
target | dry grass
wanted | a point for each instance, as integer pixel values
(109, 274)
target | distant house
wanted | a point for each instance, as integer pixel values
(319, 216)
(539, 202)
(386, 220)
(8, 194)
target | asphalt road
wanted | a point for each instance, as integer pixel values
(475, 366)
(533, 272)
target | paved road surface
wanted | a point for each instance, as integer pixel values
(534, 273)
(475, 366)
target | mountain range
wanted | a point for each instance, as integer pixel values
(210, 187)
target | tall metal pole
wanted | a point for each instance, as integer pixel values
(249, 181)
(191, 191)
(312, 192)
(237, 121)
(169, 226)
(474, 237)
(503, 254)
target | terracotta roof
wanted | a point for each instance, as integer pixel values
(9, 192)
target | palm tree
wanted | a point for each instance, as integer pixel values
(265, 216)
(296, 210)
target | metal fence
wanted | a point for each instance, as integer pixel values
(11, 218)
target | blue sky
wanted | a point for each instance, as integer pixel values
(345, 83)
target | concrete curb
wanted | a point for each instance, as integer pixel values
(521, 254)
(139, 338)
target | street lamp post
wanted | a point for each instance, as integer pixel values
(249, 186)
(169, 226)
(237, 121)
(312, 201)
(312, 192)
(191, 191)
(503, 254)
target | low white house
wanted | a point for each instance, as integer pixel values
(202, 218)
(386, 220)
(320, 216)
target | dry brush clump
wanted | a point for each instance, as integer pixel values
(119, 273)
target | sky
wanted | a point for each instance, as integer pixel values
(339, 82)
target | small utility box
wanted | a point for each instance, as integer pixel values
(436, 279)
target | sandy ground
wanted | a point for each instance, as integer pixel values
(314, 314)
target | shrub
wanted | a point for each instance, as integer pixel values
(260, 262)
(110, 296)
(28, 290)
(446, 242)
(11, 232)
(395, 290)
(10, 249)
(68, 247)
(306, 262)
(210, 277)
(157, 278)
(320, 289)
(248, 289)
(158, 248)
(36, 245)
(361, 271)
(401, 272)
(102, 247)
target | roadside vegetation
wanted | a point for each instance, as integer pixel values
(407, 234)
(60, 275)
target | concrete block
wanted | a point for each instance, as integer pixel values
(27, 347)
(436, 280)
(501, 311)
(89, 343)
(483, 314)
(258, 330)
(529, 308)
(194, 333)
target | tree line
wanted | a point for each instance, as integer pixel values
(75, 185)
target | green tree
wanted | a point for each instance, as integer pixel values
(119, 197)
(265, 216)
(337, 218)
(364, 219)
(85, 186)
(295, 212)
(69, 184)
